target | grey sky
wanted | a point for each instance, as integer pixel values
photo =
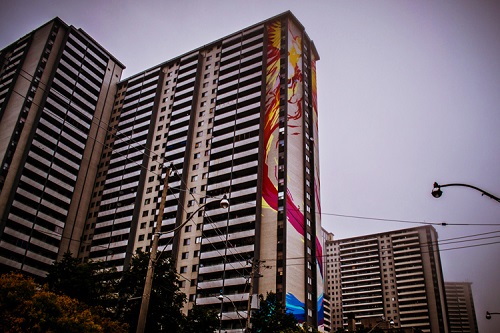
(408, 94)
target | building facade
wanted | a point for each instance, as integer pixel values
(57, 86)
(395, 275)
(236, 117)
(461, 311)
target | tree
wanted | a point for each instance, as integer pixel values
(272, 317)
(89, 282)
(28, 307)
(166, 301)
(201, 320)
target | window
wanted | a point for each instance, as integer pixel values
(201, 114)
(194, 268)
(191, 203)
(192, 190)
(196, 253)
(205, 84)
(149, 190)
(145, 213)
(143, 225)
(141, 238)
(201, 123)
(196, 166)
(183, 269)
(208, 66)
(194, 178)
(147, 201)
(199, 134)
(151, 179)
(204, 175)
(197, 144)
(188, 228)
(186, 241)
(204, 94)
(185, 255)
(209, 58)
(206, 75)
(197, 240)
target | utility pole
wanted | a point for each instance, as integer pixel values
(253, 275)
(146, 295)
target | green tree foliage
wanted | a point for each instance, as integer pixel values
(164, 314)
(28, 307)
(201, 320)
(90, 282)
(119, 295)
(272, 317)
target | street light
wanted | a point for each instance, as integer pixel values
(148, 283)
(488, 314)
(436, 191)
(221, 298)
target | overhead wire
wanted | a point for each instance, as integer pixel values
(301, 210)
(151, 153)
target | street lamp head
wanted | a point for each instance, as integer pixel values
(391, 322)
(488, 315)
(436, 191)
(224, 203)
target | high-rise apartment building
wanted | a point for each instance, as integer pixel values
(57, 87)
(394, 275)
(236, 117)
(461, 311)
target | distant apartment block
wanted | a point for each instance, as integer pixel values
(461, 311)
(393, 275)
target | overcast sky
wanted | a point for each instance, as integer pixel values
(408, 94)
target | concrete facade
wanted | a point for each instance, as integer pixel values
(394, 275)
(57, 86)
(236, 117)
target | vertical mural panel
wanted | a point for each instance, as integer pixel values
(270, 163)
(319, 245)
(295, 298)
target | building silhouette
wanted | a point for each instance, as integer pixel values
(236, 117)
(461, 311)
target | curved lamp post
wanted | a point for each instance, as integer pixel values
(436, 191)
(488, 314)
(221, 298)
(148, 283)
(390, 321)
